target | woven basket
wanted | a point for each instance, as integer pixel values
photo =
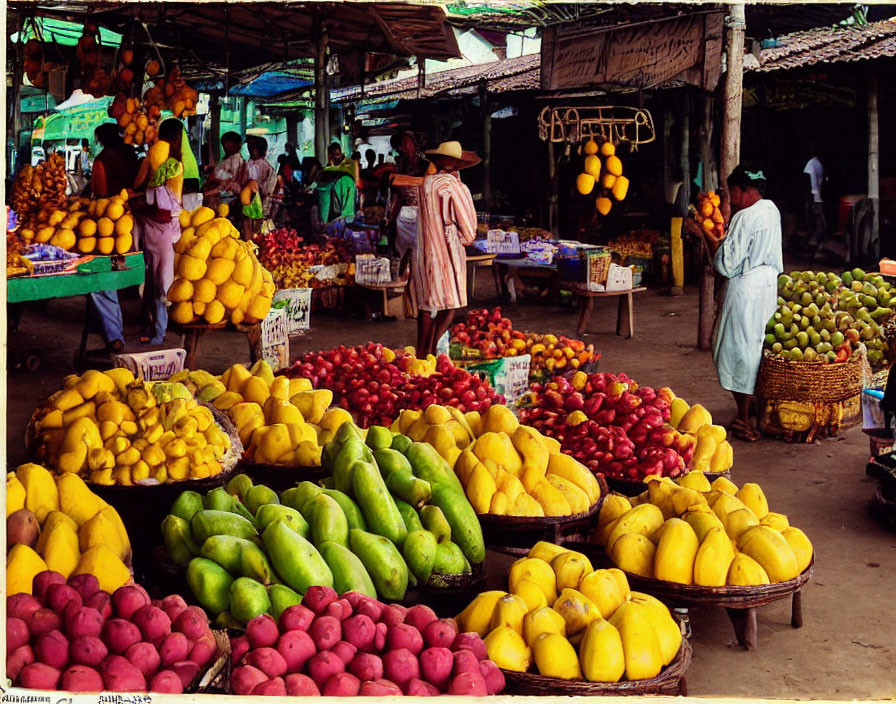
(817, 382)
(633, 487)
(280, 478)
(670, 681)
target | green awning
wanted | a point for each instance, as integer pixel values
(78, 122)
(62, 32)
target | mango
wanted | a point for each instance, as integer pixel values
(349, 573)
(745, 571)
(546, 551)
(602, 656)
(695, 418)
(419, 552)
(537, 571)
(643, 519)
(450, 559)
(667, 630)
(634, 553)
(178, 540)
(556, 657)
(713, 559)
(542, 620)
(269, 513)
(570, 568)
(499, 419)
(577, 611)
(530, 446)
(22, 565)
(568, 468)
(41, 494)
(477, 616)
(329, 523)
(383, 562)
(205, 524)
(101, 562)
(606, 590)
(695, 480)
(295, 560)
(499, 448)
(507, 649)
(770, 549)
(248, 599)
(801, 546)
(643, 658)
(754, 499)
(675, 553)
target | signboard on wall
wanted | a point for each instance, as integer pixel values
(688, 48)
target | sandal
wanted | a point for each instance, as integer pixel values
(743, 431)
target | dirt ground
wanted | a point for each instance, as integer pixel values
(846, 648)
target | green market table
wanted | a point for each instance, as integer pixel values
(102, 273)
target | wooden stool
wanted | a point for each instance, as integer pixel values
(473, 263)
(394, 286)
(192, 334)
(625, 320)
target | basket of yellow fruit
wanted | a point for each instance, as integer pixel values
(715, 544)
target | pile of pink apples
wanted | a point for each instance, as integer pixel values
(355, 645)
(610, 424)
(73, 636)
(375, 391)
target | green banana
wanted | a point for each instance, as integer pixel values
(178, 541)
(409, 514)
(349, 573)
(419, 552)
(328, 521)
(296, 561)
(351, 510)
(383, 562)
(377, 505)
(206, 523)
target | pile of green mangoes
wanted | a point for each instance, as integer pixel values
(392, 515)
(822, 316)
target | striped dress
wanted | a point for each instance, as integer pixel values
(446, 222)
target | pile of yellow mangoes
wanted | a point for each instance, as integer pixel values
(712, 451)
(572, 621)
(611, 183)
(59, 524)
(114, 429)
(100, 226)
(694, 532)
(506, 469)
(217, 275)
(280, 421)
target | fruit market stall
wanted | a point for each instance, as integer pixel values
(819, 344)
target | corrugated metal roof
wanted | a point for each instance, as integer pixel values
(522, 73)
(829, 45)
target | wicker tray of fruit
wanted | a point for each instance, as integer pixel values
(671, 682)
(633, 487)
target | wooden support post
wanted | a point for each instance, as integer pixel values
(486, 146)
(553, 198)
(677, 257)
(873, 246)
(292, 128)
(734, 82)
(214, 138)
(321, 95)
(709, 182)
(707, 304)
(244, 114)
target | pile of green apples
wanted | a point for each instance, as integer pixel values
(822, 317)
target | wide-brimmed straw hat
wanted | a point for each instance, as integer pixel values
(453, 150)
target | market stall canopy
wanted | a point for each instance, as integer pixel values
(237, 36)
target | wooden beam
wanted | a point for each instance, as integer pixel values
(873, 164)
(734, 82)
(321, 95)
(486, 145)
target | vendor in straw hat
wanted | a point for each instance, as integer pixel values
(446, 222)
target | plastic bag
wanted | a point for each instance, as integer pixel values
(254, 210)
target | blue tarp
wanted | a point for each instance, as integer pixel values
(267, 85)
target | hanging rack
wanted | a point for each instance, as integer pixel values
(614, 123)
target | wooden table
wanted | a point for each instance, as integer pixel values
(474, 262)
(397, 286)
(625, 321)
(514, 269)
(192, 334)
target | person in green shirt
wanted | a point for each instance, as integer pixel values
(337, 186)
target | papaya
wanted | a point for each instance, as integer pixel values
(205, 524)
(349, 573)
(383, 562)
(465, 528)
(376, 503)
(351, 510)
(296, 560)
(328, 521)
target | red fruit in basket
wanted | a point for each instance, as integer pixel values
(174, 647)
(345, 650)
(52, 649)
(323, 666)
(326, 631)
(419, 688)
(16, 634)
(340, 609)
(296, 618)
(360, 631)
(296, 648)
(301, 686)
(343, 684)
(187, 670)
(420, 616)
(59, 596)
(465, 661)
(380, 688)
(42, 621)
(468, 684)
(268, 660)
(166, 682)
(119, 675)
(87, 650)
(246, 678)
(83, 621)
(239, 646)
(400, 666)
(21, 606)
(271, 688)
(80, 678)
(436, 666)
(128, 599)
(262, 631)
(203, 650)
(318, 598)
(173, 605)
(42, 582)
(494, 678)
(38, 675)
(401, 635)
(153, 623)
(145, 657)
(440, 634)
(393, 614)
(366, 666)
(119, 635)
(86, 585)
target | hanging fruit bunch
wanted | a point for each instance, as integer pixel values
(95, 79)
(611, 184)
(708, 215)
(39, 188)
(34, 63)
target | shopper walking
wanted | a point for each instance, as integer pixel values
(815, 221)
(446, 222)
(401, 220)
(749, 257)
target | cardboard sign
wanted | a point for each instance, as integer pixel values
(501, 242)
(298, 308)
(508, 376)
(275, 339)
(152, 366)
(372, 271)
(619, 278)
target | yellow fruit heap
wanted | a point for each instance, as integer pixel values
(100, 226)
(712, 452)
(59, 524)
(506, 469)
(39, 188)
(564, 619)
(114, 430)
(708, 215)
(218, 277)
(280, 421)
(694, 532)
(139, 119)
(612, 183)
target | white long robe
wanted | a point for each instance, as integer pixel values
(750, 258)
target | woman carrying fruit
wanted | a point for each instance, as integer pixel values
(162, 176)
(446, 221)
(749, 257)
